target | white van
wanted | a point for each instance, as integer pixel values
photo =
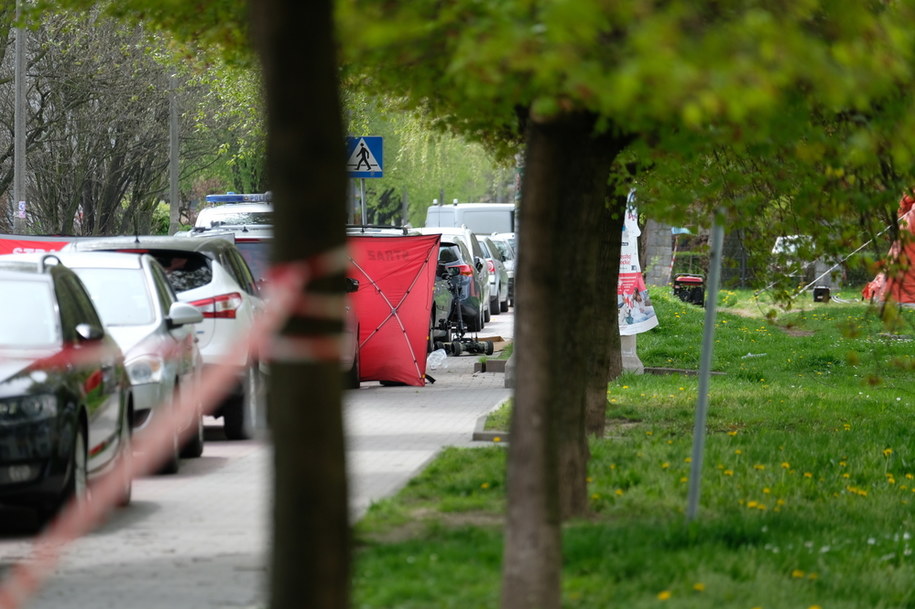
(481, 218)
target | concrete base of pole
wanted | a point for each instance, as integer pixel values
(631, 361)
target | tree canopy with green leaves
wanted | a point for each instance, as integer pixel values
(584, 85)
(587, 85)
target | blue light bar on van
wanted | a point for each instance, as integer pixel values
(232, 197)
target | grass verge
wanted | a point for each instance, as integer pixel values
(808, 480)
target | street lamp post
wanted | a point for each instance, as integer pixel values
(19, 194)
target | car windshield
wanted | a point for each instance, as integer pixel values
(120, 295)
(27, 316)
(241, 218)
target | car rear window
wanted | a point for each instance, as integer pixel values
(257, 255)
(185, 270)
(449, 253)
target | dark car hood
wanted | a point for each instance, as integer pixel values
(16, 369)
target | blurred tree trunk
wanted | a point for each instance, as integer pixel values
(311, 537)
(566, 282)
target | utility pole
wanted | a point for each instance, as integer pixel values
(19, 194)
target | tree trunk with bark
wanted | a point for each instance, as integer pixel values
(311, 538)
(566, 285)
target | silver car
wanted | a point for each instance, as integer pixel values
(155, 331)
(498, 277)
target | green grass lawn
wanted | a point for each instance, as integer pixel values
(808, 484)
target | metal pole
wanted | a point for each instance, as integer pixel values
(362, 194)
(705, 366)
(174, 211)
(19, 194)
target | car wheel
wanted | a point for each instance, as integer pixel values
(125, 458)
(486, 316)
(241, 414)
(172, 462)
(475, 324)
(193, 447)
(494, 305)
(76, 486)
(503, 306)
(352, 375)
(78, 483)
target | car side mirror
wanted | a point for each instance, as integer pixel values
(89, 332)
(478, 262)
(182, 313)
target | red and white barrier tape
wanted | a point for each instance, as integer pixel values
(285, 294)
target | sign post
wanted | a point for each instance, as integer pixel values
(365, 159)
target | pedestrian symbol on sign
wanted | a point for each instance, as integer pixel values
(364, 155)
(364, 160)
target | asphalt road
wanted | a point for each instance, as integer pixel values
(200, 539)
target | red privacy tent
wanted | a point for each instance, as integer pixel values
(897, 284)
(396, 277)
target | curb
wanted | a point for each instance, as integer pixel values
(481, 435)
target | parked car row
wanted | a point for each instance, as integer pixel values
(96, 341)
(484, 286)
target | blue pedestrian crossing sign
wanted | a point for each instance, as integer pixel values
(364, 157)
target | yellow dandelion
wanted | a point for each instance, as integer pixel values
(759, 466)
(664, 595)
(618, 492)
(484, 485)
(649, 433)
(887, 452)
(738, 452)
(595, 496)
(808, 475)
(665, 465)
(797, 573)
(843, 463)
(846, 475)
(699, 587)
(732, 433)
(728, 472)
(497, 439)
(685, 479)
(785, 465)
(688, 460)
(766, 491)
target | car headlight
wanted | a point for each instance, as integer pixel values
(145, 369)
(28, 408)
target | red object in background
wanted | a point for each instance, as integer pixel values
(19, 244)
(393, 304)
(897, 282)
